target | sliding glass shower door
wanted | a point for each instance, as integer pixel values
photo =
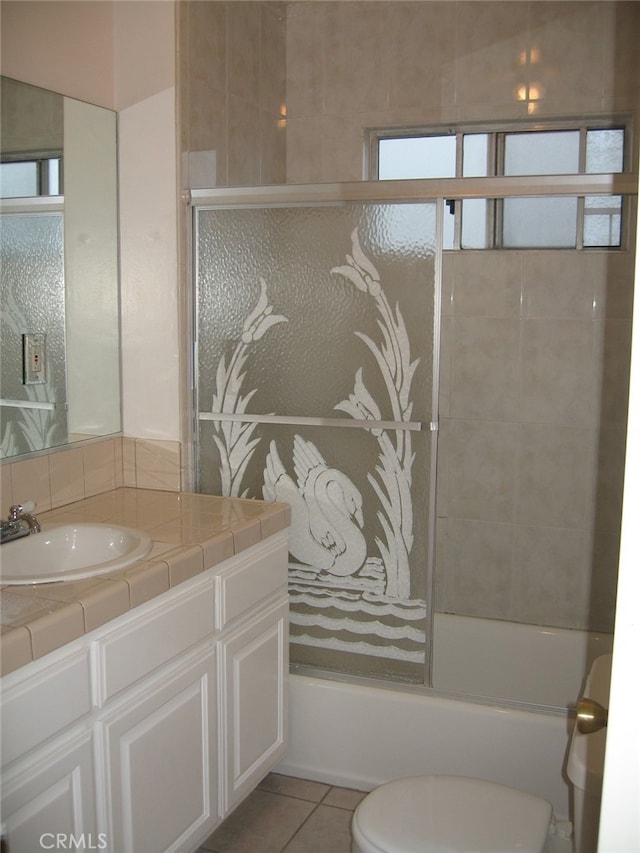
(315, 327)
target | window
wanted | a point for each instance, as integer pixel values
(515, 150)
(29, 176)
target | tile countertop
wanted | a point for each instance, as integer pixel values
(190, 532)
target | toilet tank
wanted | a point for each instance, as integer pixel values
(585, 764)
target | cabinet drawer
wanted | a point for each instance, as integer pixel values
(154, 638)
(44, 703)
(251, 577)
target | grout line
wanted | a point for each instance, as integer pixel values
(303, 822)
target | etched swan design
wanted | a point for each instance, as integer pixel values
(326, 509)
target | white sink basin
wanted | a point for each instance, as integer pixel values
(71, 552)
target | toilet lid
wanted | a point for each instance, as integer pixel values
(424, 814)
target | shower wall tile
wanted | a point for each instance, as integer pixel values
(444, 389)
(234, 60)
(342, 149)
(243, 50)
(492, 37)
(603, 559)
(274, 147)
(559, 285)
(243, 155)
(304, 155)
(556, 372)
(486, 284)
(406, 63)
(568, 38)
(549, 582)
(208, 121)
(355, 57)
(609, 479)
(553, 479)
(207, 43)
(612, 359)
(479, 558)
(305, 59)
(273, 58)
(484, 368)
(419, 77)
(621, 80)
(482, 470)
(614, 285)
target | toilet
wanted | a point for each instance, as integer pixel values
(434, 814)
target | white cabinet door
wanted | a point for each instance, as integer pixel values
(160, 748)
(48, 800)
(254, 664)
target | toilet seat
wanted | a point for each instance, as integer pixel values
(425, 814)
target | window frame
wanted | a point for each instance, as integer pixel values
(497, 132)
(42, 160)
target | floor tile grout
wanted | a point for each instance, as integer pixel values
(300, 834)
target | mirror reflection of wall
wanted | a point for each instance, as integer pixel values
(59, 278)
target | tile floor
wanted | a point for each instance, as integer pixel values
(287, 815)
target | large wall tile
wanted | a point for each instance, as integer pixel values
(554, 464)
(479, 557)
(482, 470)
(556, 372)
(484, 368)
(549, 583)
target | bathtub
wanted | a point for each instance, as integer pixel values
(359, 736)
(508, 660)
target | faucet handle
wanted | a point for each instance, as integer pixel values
(16, 510)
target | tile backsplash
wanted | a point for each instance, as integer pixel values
(73, 473)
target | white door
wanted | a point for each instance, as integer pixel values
(620, 820)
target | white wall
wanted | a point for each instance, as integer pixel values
(149, 288)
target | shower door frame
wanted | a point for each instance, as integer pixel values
(430, 190)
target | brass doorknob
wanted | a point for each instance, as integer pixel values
(591, 716)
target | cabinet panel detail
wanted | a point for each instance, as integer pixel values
(154, 639)
(58, 799)
(159, 751)
(57, 697)
(255, 663)
(250, 580)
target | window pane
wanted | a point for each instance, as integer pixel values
(540, 223)
(19, 180)
(602, 221)
(605, 150)
(542, 153)
(475, 155)
(53, 176)
(417, 157)
(474, 224)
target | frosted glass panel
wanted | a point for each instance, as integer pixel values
(605, 150)
(325, 314)
(540, 153)
(33, 302)
(295, 298)
(540, 222)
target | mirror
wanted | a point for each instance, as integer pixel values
(60, 368)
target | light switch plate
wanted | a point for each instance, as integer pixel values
(34, 358)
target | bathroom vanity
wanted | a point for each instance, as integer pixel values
(143, 733)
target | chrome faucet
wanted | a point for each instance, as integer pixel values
(20, 523)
